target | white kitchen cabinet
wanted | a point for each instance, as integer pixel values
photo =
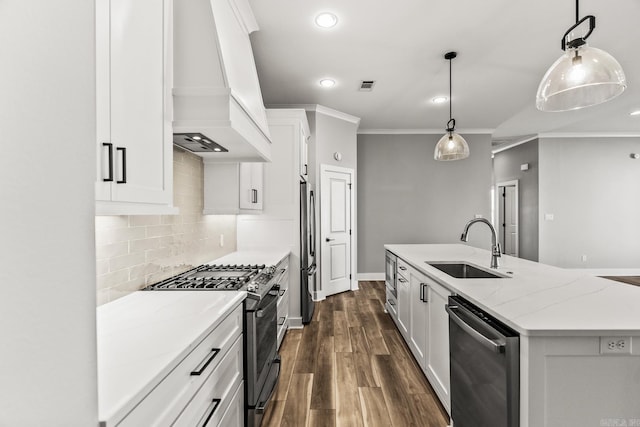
(404, 298)
(282, 279)
(304, 152)
(251, 186)
(419, 316)
(134, 107)
(233, 188)
(212, 370)
(437, 362)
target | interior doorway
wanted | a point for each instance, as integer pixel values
(337, 229)
(508, 230)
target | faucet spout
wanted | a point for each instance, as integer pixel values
(495, 246)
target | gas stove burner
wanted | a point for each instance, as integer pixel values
(211, 277)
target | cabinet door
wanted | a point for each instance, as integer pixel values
(132, 80)
(304, 153)
(438, 336)
(418, 323)
(251, 186)
(404, 305)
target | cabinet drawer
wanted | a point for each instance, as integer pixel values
(234, 416)
(214, 397)
(403, 269)
(163, 404)
(392, 305)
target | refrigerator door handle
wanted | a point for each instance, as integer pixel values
(312, 234)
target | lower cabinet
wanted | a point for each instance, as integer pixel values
(424, 323)
(437, 360)
(204, 386)
(282, 270)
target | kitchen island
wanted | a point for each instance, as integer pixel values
(565, 319)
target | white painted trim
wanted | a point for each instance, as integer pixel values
(371, 276)
(498, 219)
(514, 144)
(589, 135)
(295, 322)
(422, 131)
(609, 271)
(244, 15)
(317, 108)
(355, 287)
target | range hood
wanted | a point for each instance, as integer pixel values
(216, 92)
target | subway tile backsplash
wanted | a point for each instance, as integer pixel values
(135, 251)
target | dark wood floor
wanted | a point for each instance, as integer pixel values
(350, 367)
(630, 280)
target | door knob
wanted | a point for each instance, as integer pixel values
(329, 240)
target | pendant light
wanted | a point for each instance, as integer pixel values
(583, 76)
(451, 146)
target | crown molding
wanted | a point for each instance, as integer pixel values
(469, 131)
(513, 144)
(589, 135)
(321, 109)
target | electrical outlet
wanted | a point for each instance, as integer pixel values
(222, 240)
(615, 345)
(583, 258)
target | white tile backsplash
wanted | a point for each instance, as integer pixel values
(134, 251)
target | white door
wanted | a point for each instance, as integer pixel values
(335, 229)
(508, 218)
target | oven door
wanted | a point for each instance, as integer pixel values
(262, 362)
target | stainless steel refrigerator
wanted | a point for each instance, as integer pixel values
(307, 250)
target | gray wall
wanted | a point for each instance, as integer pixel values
(592, 188)
(405, 196)
(506, 167)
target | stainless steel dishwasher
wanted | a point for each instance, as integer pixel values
(485, 368)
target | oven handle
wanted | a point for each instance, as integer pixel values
(260, 311)
(261, 406)
(493, 345)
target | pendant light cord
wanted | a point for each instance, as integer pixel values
(450, 84)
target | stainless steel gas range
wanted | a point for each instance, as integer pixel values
(262, 363)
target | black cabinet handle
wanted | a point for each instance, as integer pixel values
(254, 195)
(281, 321)
(214, 405)
(403, 268)
(124, 165)
(110, 146)
(282, 292)
(423, 292)
(305, 169)
(197, 372)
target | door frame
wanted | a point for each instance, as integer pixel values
(324, 168)
(500, 229)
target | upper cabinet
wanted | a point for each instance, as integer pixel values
(304, 150)
(233, 188)
(133, 81)
(216, 90)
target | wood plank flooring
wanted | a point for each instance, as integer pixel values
(350, 367)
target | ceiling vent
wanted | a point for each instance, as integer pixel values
(366, 85)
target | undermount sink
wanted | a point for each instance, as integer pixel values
(462, 270)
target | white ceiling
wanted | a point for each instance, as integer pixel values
(504, 48)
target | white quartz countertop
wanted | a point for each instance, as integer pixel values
(143, 336)
(537, 299)
(267, 256)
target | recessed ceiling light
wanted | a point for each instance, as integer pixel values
(635, 113)
(327, 83)
(326, 20)
(217, 149)
(197, 138)
(440, 99)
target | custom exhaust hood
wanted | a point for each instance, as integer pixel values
(216, 92)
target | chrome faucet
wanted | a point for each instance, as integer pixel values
(495, 246)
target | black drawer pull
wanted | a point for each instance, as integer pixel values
(282, 292)
(215, 352)
(124, 165)
(110, 146)
(281, 321)
(403, 268)
(214, 405)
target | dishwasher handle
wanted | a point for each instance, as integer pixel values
(493, 345)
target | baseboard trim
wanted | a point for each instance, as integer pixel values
(295, 322)
(371, 276)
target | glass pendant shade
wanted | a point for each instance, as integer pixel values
(581, 77)
(451, 146)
